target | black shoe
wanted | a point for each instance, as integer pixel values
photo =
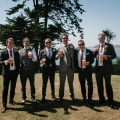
(60, 100)
(101, 102)
(111, 106)
(54, 98)
(84, 100)
(73, 99)
(13, 103)
(3, 109)
(90, 102)
(43, 100)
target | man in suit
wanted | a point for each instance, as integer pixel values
(104, 53)
(83, 60)
(66, 67)
(11, 63)
(47, 58)
(27, 57)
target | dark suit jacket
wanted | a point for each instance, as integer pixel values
(89, 58)
(51, 61)
(110, 53)
(5, 56)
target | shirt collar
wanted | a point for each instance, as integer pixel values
(9, 49)
(48, 49)
(64, 45)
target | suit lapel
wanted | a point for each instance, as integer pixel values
(7, 54)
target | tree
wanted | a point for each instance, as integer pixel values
(109, 34)
(48, 18)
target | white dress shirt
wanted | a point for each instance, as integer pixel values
(79, 57)
(101, 63)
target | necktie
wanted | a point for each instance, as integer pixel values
(11, 58)
(81, 57)
(49, 55)
(65, 48)
(101, 48)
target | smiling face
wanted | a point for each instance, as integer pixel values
(48, 43)
(10, 43)
(101, 38)
(26, 42)
(65, 39)
(81, 44)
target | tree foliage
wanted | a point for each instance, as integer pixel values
(45, 18)
(109, 34)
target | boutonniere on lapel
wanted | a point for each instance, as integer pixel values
(53, 50)
(106, 47)
(71, 46)
(87, 53)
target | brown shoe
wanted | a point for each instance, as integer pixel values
(3, 109)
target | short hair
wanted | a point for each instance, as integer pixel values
(102, 34)
(47, 39)
(81, 41)
(26, 38)
(9, 39)
(65, 34)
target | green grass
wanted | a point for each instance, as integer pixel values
(67, 110)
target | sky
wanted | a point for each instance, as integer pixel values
(99, 15)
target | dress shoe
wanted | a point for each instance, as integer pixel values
(34, 100)
(90, 102)
(43, 100)
(54, 98)
(84, 100)
(60, 100)
(13, 103)
(112, 106)
(100, 102)
(73, 99)
(3, 109)
(23, 101)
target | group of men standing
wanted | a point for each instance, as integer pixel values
(70, 58)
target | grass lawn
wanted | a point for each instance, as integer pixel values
(67, 110)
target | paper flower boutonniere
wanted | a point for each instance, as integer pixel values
(53, 50)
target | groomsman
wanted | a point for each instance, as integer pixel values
(11, 64)
(47, 58)
(27, 57)
(83, 60)
(66, 67)
(104, 54)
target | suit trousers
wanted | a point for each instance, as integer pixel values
(11, 76)
(100, 74)
(48, 73)
(84, 75)
(24, 74)
(70, 76)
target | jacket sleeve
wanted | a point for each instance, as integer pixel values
(112, 54)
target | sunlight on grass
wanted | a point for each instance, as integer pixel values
(67, 110)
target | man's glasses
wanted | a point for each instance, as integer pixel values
(47, 42)
(27, 42)
(81, 44)
(65, 38)
(101, 38)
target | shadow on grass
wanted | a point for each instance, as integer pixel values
(51, 106)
